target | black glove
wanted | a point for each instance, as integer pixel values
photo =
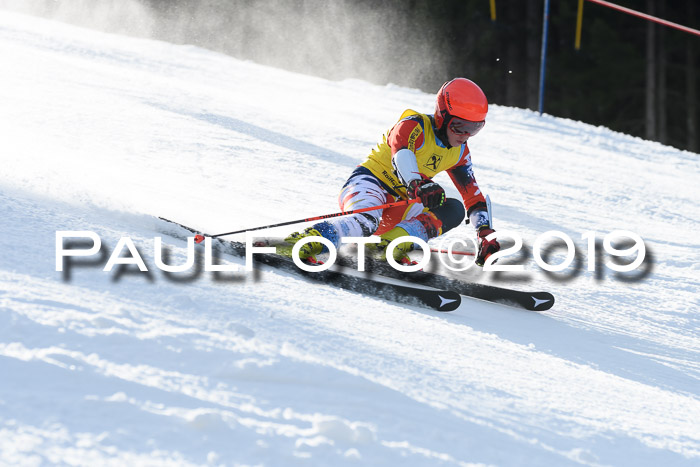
(486, 247)
(430, 193)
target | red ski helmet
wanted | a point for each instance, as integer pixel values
(460, 98)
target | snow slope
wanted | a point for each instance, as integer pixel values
(101, 132)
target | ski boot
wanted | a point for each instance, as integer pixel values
(309, 250)
(424, 226)
(401, 250)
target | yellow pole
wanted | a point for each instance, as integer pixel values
(579, 23)
(493, 9)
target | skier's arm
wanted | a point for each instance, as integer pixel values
(404, 139)
(477, 212)
(474, 202)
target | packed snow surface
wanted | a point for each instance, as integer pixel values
(103, 133)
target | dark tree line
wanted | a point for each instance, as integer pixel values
(630, 75)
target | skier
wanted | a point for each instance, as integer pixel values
(402, 166)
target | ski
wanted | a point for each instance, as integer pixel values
(433, 290)
(533, 301)
(345, 278)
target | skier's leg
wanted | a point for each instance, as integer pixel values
(362, 190)
(426, 225)
(451, 214)
(392, 216)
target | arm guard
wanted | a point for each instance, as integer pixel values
(475, 203)
(406, 166)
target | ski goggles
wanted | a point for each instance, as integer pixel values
(465, 127)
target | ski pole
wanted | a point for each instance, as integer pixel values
(463, 253)
(199, 238)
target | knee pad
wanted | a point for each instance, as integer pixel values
(450, 214)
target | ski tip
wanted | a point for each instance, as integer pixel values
(198, 238)
(541, 301)
(446, 300)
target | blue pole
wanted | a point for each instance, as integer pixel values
(543, 54)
